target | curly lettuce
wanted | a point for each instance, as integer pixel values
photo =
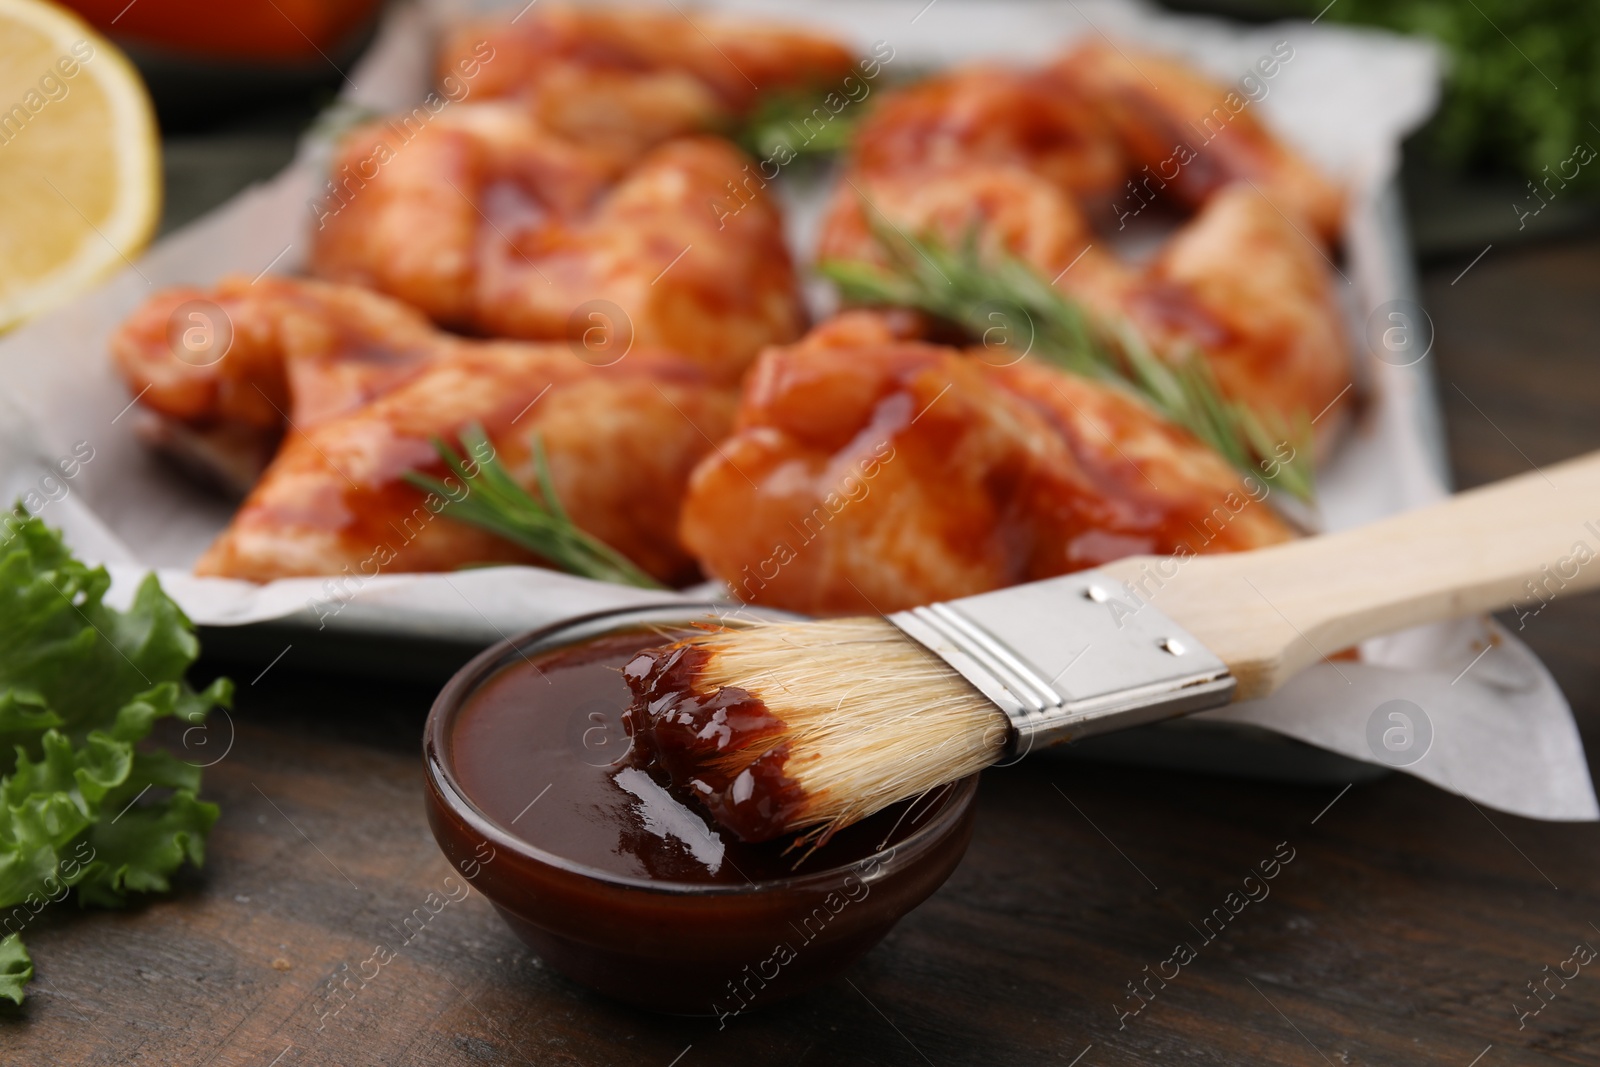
(83, 807)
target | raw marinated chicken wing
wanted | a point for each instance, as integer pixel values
(628, 77)
(984, 115)
(1005, 208)
(1193, 137)
(489, 223)
(1240, 285)
(1008, 158)
(1237, 284)
(357, 385)
(872, 472)
(620, 440)
(219, 372)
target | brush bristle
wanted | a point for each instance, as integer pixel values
(869, 717)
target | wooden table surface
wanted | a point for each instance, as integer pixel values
(1403, 931)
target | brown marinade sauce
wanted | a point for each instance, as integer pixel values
(724, 749)
(541, 749)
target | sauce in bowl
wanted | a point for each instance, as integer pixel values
(535, 796)
(541, 748)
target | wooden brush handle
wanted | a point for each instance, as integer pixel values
(1270, 612)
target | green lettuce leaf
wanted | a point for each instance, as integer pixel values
(82, 684)
(16, 968)
(141, 850)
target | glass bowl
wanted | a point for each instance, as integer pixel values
(677, 946)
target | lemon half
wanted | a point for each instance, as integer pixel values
(80, 162)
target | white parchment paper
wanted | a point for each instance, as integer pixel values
(1501, 732)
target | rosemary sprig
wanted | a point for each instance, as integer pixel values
(495, 502)
(964, 287)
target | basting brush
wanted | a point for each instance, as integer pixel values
(811, 726)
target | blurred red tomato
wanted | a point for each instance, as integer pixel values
(242, 29)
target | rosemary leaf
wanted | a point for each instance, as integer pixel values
(495, 502)
(982, 294)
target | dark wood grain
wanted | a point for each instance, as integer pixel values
(1401, 933)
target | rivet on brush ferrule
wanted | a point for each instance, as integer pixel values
(1070, 657)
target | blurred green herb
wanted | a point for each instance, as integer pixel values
(1006, 294)
(798, 124)
(81, 684)
(1522, 88)
(494, 501)
(339, 118)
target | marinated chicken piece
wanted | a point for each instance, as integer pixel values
(407, 205)
(1005, 208)
(1010, 157)
(983, 151)
(1237, 283)
(640, 72)
(870, 472)
(717, 287)
(219, 372)
(489, 223)
(1035, 120)
(620, 441)
(621, 114)
(1194, 137)
(1259, 301)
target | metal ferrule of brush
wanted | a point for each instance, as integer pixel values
(1070, 657)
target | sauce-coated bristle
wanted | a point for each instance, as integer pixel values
(870, 716)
